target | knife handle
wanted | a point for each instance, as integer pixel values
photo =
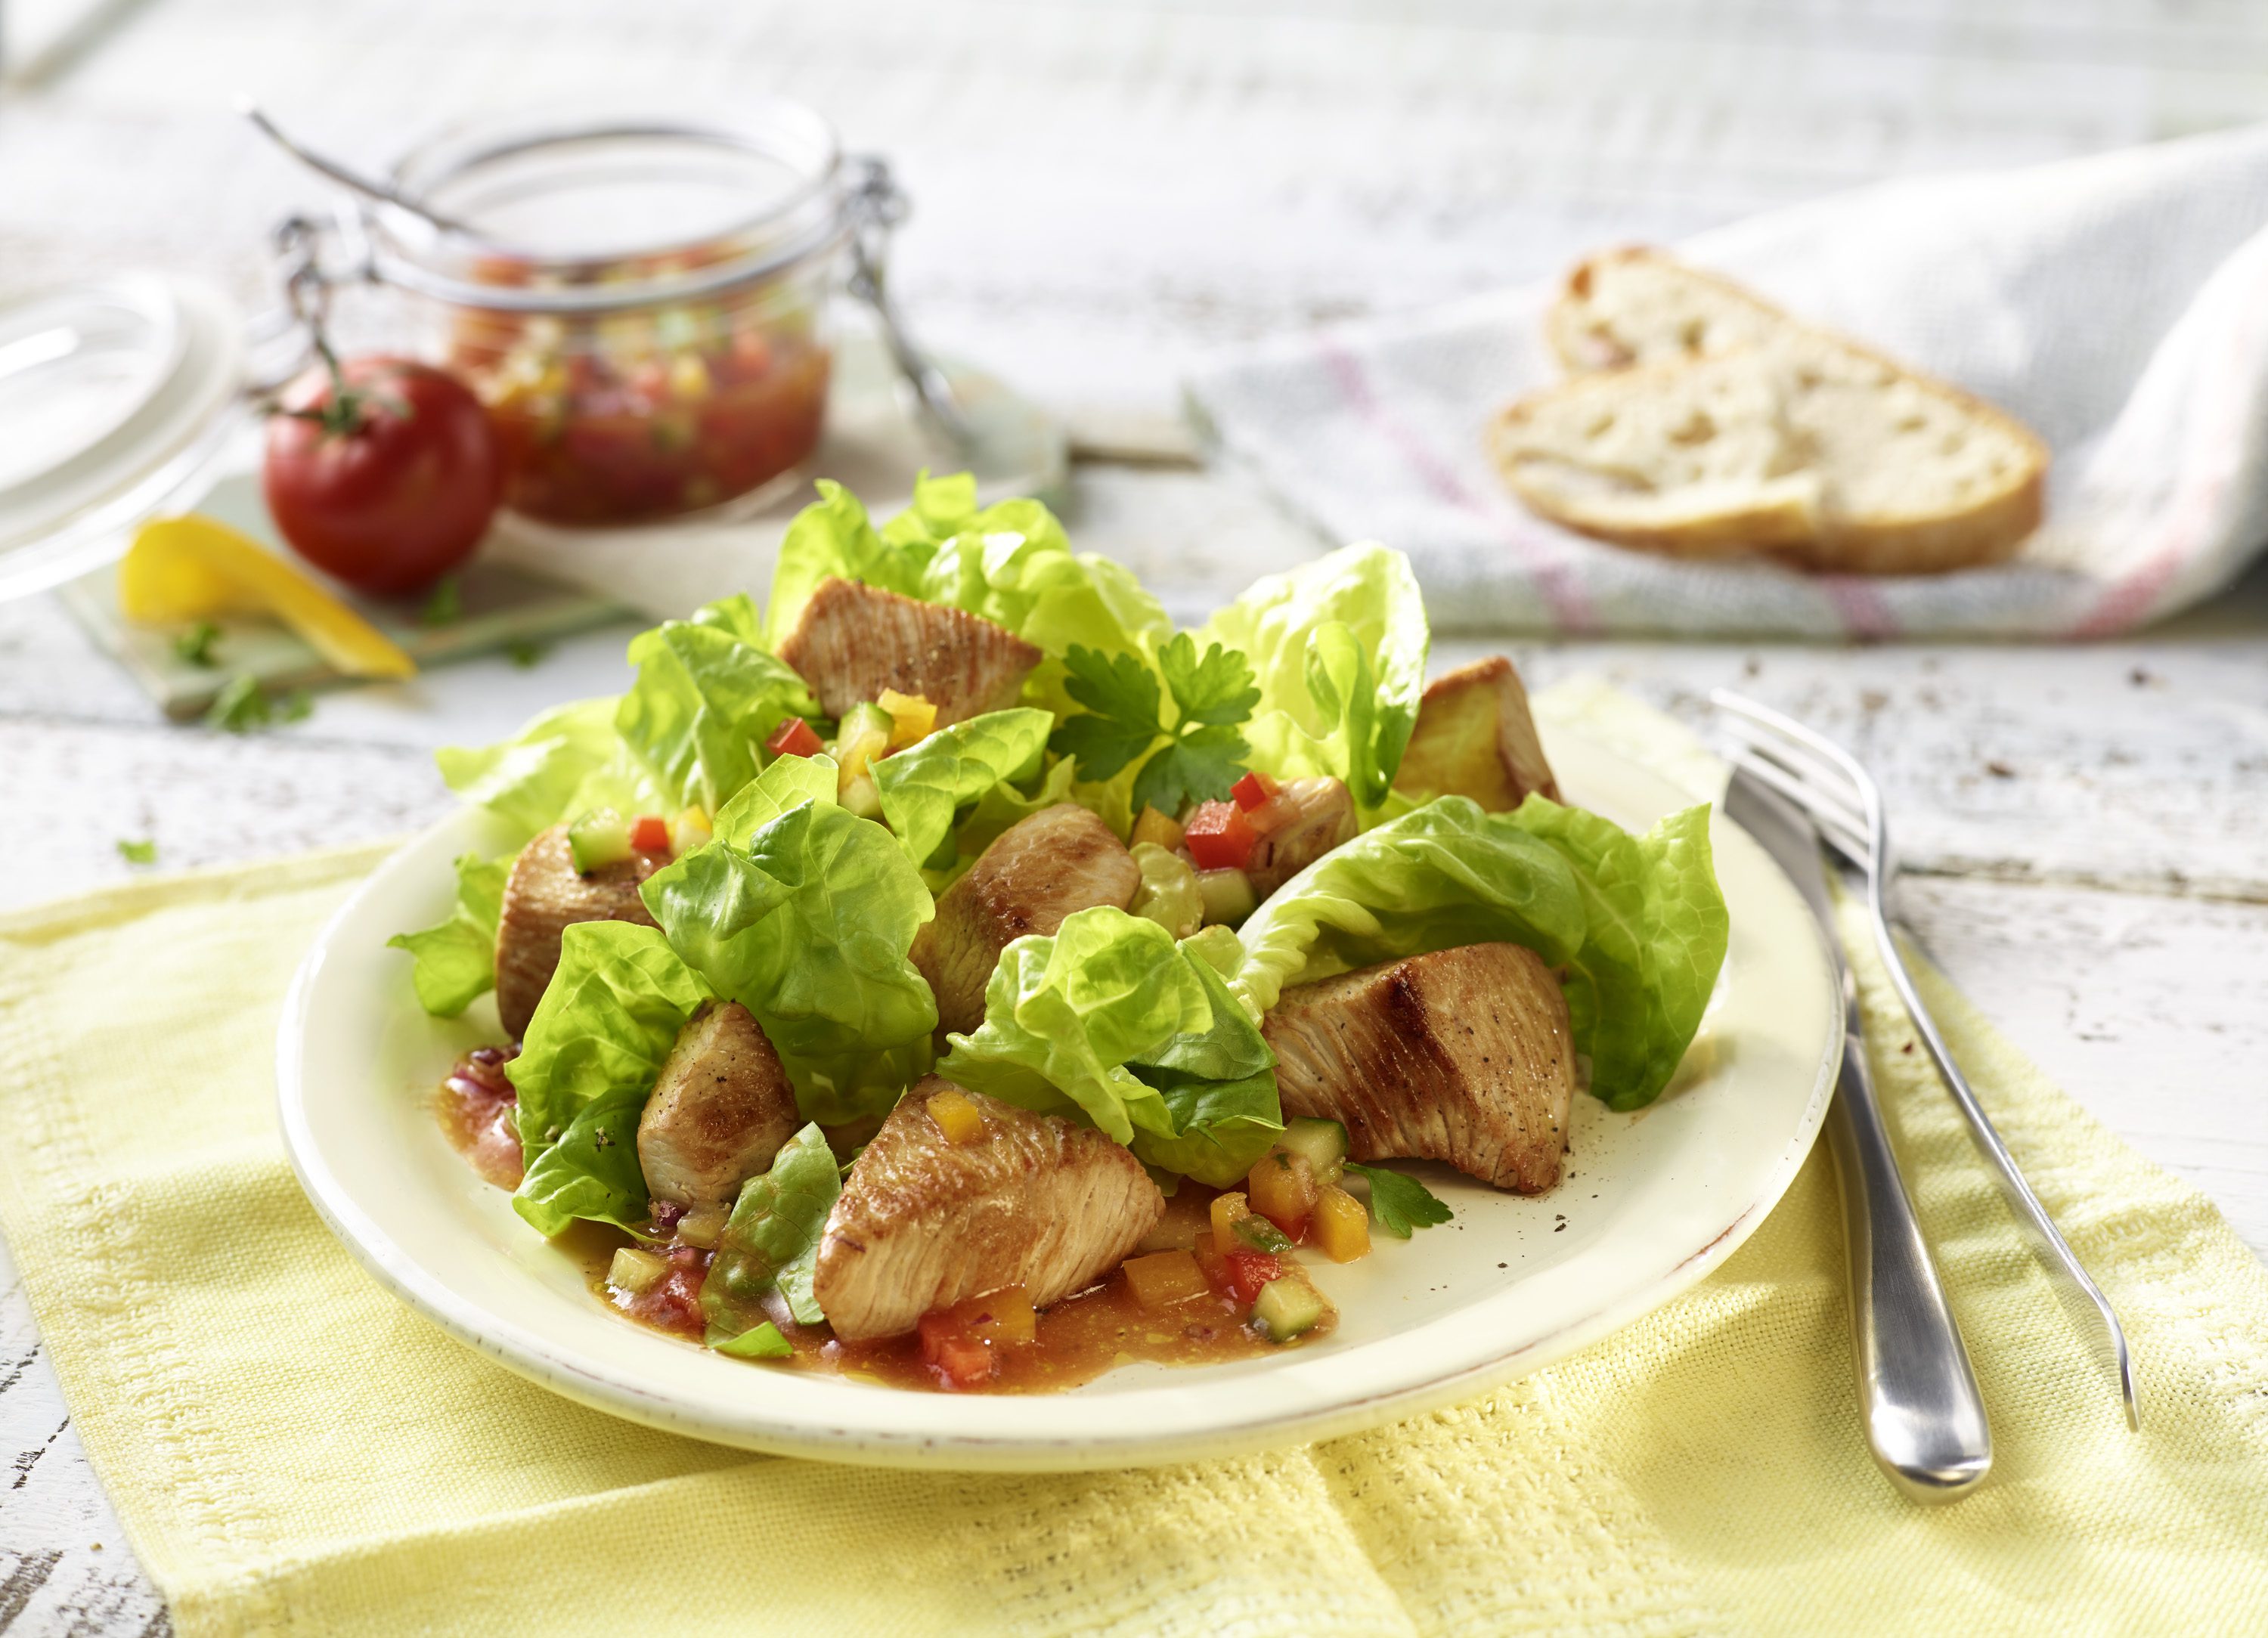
(1925, 1418)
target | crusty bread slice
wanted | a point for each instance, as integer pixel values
(1710, 424)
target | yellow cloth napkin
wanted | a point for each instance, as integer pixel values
(294, 1452)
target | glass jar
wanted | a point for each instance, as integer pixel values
(643, 304)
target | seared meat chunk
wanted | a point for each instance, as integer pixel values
(542, 898)
(1474, 738)
(1037, 872)
(1321, 817)
(924, 1223)
(853, 641)
(1462, 1057)
(720, 1112)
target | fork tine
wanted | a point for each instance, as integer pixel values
(1834, 827)
(1822, 792)
(1825, 750)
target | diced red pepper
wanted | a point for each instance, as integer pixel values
(961, 1360)
(1220, 837)
(1253, 790)
(1248, 1271)
(650, 832)
(794, 738)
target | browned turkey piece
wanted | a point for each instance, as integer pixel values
(542, 898)
(924, 1223)
(718, 1112)
(853, 641)
(1475, 736)
(1462, 1056)
(1321, 812)
(1039, 869)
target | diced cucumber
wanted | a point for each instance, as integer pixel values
(633, 1270)
(1168, 894)
(863, 796)
(1228, 896)
(1324, 1143)
(1261, 1235)
(600, 838)
(1288, 1307)
(865, 719)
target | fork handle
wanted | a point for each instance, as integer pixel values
(1924, 1419)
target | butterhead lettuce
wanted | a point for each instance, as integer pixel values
(1339, 649)
(591, 1171)
(1112, 1021)
(454, 964)
(771, 1241)
(1636, 922)
(708, 695)
(926, 784)
(532, 780)
(806, 921)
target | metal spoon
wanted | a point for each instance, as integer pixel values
(383, 193)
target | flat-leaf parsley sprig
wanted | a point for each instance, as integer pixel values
(1204, 754)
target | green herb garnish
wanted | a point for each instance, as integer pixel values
(143, 852)
(1400, 1203)
(526, 652)
(1262, 1235)
(239, 706)
(196, 645)
(444, 606)
(1204, 754)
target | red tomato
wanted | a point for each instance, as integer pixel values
(1253, 790)
(1220, 837)
(794, 738)
(961, 1360)
(385, 474)
(650, 834)
(1248, 1271)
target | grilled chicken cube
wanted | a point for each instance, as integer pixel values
(1039, 869)
(542, 898)
(720, 1112)
(1307, 818)
(926, 1222)
(1462, 1057)
(1474, 738)
(853, 641)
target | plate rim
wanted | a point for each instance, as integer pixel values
(533, 1356)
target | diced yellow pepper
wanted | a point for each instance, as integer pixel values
(1165, 1278)
(1340, 1226)
(1004, 1319)
(1153, 827)
(1282, 1186)
(689, 378)
(691, 829)
(1226, 1208)
(959, 1119)
(912, 718)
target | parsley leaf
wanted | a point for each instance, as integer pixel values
(526, 652)
(1400, 1203)
(239, 706)
(1260, 1234)
(196, 645)
(143, 852)
(446, 605)
(1204, 754)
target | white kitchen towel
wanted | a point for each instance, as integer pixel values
(2118, 304)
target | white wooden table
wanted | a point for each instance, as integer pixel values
(1104, 192)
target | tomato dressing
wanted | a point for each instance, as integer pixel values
(478, 1108)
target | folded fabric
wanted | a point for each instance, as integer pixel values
(2118, 304)
(294, 1451)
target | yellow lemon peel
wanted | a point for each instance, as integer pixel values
(197, 568)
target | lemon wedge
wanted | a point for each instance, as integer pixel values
(195, 568)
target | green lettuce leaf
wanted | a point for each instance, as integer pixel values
(592, 1171)
(1636, 924)
(1339, 649)
(832, 537)
(708, 695)
(807, 923)
(789, 783)
(924, 785)
(1113, 1021)
(454, 964)
(771, 1241)
(530, 779)
(610, 1016)
(1012, 564)
(764, 1342)
(1656, 930)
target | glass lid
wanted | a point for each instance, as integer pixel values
(112, 396)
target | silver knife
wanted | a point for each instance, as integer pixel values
(1924, 1419)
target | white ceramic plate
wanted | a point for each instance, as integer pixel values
(1651, 1203)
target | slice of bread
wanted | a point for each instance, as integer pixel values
(1710, 424)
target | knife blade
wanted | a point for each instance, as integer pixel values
(1917, 1397)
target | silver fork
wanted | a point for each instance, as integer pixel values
(1835, 789)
